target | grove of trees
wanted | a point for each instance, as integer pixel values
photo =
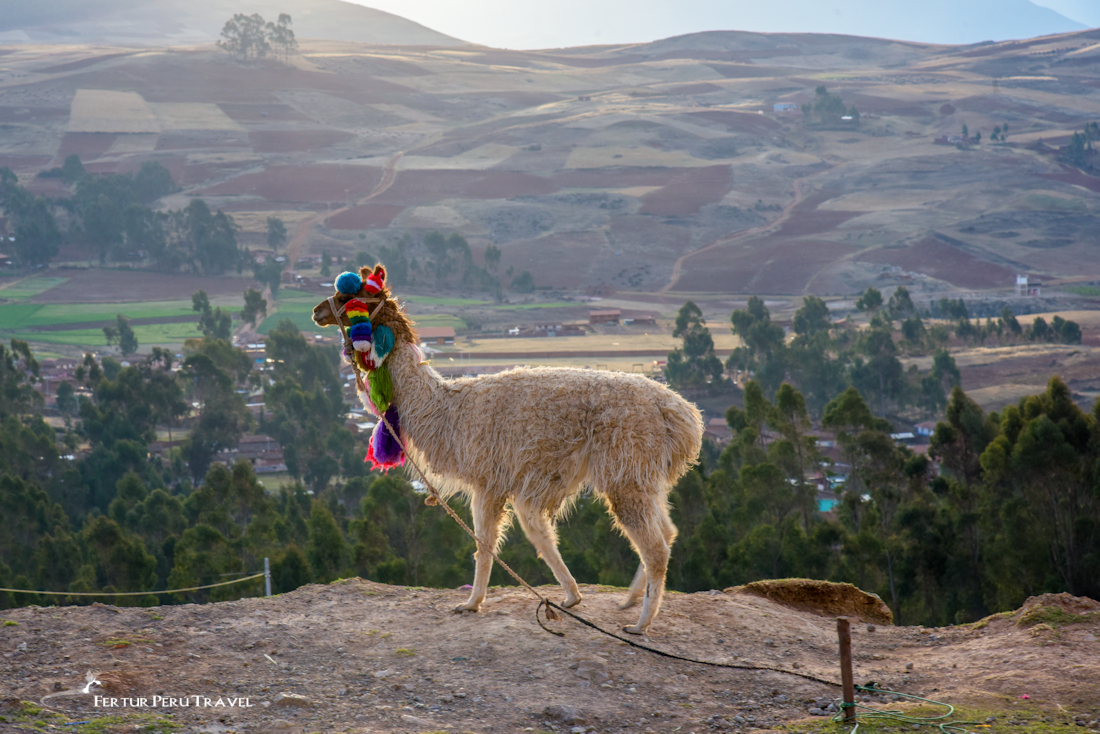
(1004, 505)
(250, 37)
(446, 261)
(828, 109)
(111, 215)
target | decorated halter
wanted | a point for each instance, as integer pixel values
(366, 347)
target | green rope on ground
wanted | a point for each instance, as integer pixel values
(866, 713)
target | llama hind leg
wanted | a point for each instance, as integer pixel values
(540, 531)
(644, 518)
(488, 517)
(636, 590)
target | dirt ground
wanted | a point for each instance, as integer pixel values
(359, 656)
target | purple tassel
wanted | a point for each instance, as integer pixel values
(385, 449)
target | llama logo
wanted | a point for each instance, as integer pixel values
(91, 679)
(92, 684)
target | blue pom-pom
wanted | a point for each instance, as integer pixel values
(383, 341)
(360, 332)
(349, 283)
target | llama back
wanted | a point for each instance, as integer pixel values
(533, 428)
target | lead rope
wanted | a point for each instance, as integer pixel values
(434, 498)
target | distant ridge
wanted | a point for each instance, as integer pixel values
(187, 22)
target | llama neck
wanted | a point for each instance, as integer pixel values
(423, 400)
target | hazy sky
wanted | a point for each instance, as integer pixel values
(527, 24)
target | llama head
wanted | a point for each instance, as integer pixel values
(368, 286)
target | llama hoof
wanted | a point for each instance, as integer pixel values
(633, 629)
(467, 607)
(571, 601)
(630, 601)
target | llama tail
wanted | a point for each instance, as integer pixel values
(684, 435)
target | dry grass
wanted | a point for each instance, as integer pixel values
(192, 116)
(102, 111)
(641, 156)
(257, 221)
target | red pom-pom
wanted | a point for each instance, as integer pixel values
(375, 282)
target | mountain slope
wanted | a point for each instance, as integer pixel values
(174, 22)
(529, 24)
(1082, 11)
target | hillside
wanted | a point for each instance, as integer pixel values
(643, 168)
(173, 23)
(366, 657)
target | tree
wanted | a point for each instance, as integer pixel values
(492, 258)
(213, 323)
(152, 181)
(245, 36)
(1069, 332)
(524, 282)
(276, 233)
(828, 109)
(762, 352)
(812, 318)
(280, 35)
(206, 241)
(66, 399)
(270, 274)
(695, 363)
(37, 236)
(327, 550)
(255, 307)
(122, 335)
(900, 305)
(72, 170)
(222, 416)
(305, 397)
(870, 301)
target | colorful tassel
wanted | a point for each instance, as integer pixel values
(349, 283)
(380, 389)
(381, 345)
(384, 451)
(357, 311)
(360, 334)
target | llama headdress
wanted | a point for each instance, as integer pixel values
(366, 347)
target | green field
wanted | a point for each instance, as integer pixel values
(298, 310)
(529, 306)
(146, 335)
(445, 301)
(29, 287)
(30, 322)
(439, 319)
(32, 315)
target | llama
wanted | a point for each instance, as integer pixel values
(531, 438)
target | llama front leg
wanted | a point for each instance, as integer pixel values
(488, 517)
(540, 531)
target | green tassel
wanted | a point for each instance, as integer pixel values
(380, 388)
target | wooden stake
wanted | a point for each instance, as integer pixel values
(844, 633)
